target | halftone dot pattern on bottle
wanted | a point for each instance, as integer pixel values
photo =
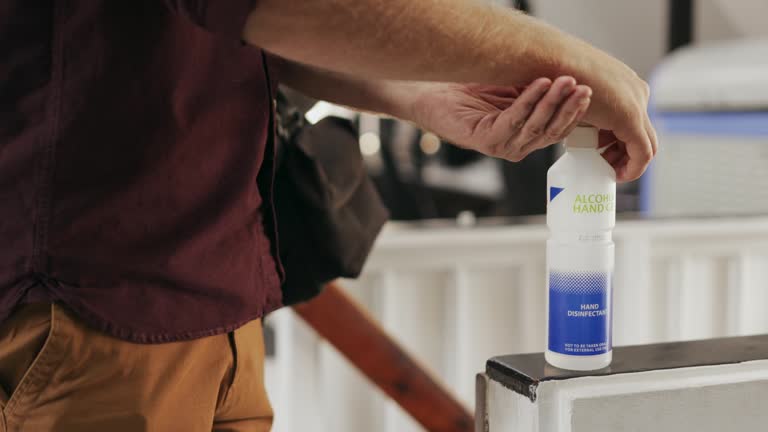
(579, 283)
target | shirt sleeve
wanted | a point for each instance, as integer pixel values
(224, 17)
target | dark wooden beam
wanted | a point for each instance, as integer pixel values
(522, 373)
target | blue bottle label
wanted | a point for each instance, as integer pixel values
(579, 312)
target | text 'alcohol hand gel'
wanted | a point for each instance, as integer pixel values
(581, 212)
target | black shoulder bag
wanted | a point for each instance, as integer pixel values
(328, 210)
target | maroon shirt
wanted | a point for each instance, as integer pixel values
(134, 185)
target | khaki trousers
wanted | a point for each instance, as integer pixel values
(58, 375)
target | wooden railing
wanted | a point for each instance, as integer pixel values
(346, 325)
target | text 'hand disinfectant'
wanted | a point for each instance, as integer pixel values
(581, 212)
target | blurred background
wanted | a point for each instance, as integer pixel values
(421, 177)
(459, 275)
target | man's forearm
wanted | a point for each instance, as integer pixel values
(457, 41)
(433, 40)
(393, 98)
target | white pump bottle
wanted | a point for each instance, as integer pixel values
(581, 212)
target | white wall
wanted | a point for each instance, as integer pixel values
(728, 19)
(636, 30)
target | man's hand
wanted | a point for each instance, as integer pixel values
(503, 122)
(500, 121)
(619, 106)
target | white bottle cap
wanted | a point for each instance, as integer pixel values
(583, 137)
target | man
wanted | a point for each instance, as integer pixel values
(136, 174)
